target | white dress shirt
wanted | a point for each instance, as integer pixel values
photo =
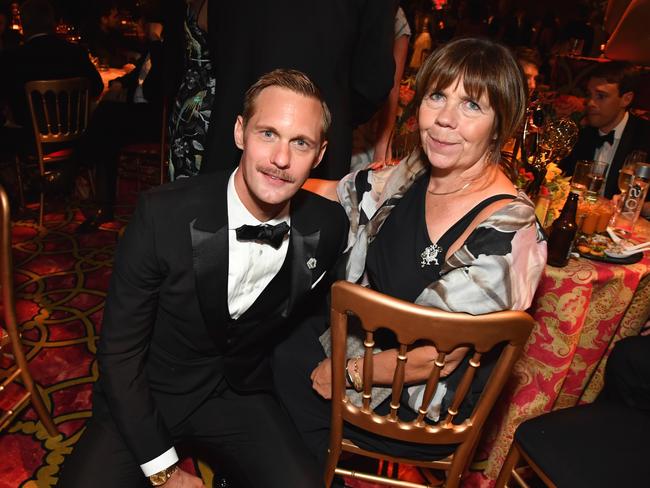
(251, 267)
(607, 151)
(251, 264)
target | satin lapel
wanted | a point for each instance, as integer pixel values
(209, 232)
(210, 258)
(303, 248)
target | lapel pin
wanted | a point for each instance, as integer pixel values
(311, 264)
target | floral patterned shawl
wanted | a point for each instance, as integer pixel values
(484, 275)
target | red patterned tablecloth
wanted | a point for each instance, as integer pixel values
(580, 311)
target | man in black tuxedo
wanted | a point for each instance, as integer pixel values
(198, 300)
(612, 132)
(345, 46)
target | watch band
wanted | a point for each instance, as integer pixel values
(161, 477)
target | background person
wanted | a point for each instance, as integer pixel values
(131, 111)
(9, 38)
(43, 56)
(191, 110)
(612, 131)
(530, 62)
(372, 141)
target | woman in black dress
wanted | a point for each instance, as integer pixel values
(444, 228)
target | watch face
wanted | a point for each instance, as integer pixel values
(155, 479)
(162, 477)
(159, 478)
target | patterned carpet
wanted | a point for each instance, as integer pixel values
(61, 280)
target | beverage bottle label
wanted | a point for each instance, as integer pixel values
(630, 208)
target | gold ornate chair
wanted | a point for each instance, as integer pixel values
(59, 113)
(411, 323)
(10, 344)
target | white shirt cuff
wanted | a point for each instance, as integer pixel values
(156, 465)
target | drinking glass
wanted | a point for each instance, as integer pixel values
(595, 179)
(580, 180)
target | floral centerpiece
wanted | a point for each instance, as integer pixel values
(552, 195)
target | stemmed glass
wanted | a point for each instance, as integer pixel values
(588, 178)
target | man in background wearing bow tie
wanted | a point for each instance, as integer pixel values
(210, 274)
(612, 131)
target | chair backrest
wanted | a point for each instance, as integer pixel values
(446, 331)
(59, 110)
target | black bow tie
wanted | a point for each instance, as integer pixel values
(270, 234)
(609, 137)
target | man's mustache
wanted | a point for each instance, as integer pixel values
(276, 172)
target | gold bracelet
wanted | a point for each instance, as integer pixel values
(357, 381)
(348, 378)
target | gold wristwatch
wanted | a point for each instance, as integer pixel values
(161, 477)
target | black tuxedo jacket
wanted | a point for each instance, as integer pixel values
(46, 57)
(344, 46)
(635, 136)
(167, 341)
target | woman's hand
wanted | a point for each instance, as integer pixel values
(321, 379)
(418, 368)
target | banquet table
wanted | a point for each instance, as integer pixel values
(580, 311)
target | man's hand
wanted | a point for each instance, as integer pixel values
(183, 479)
(321, 378)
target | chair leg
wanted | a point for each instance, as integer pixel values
(41, 209)
(332, 460)
(19, 177)
(138, 169)
(163, 160)
(91, 181)
(508, 466)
